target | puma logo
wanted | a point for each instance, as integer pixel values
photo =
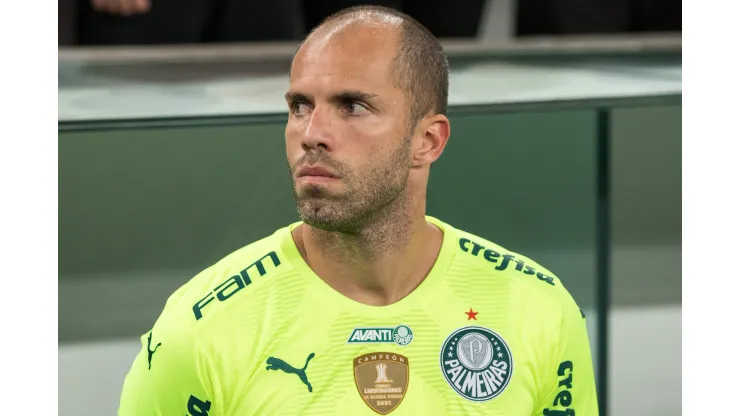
(278, 364)
(149, 351)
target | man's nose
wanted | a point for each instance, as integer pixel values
(319, 131)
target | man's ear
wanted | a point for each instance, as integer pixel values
(432, 134)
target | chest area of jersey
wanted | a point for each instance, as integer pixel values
(402, 366)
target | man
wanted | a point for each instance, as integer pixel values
(367, 305)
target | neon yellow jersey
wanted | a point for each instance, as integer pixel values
(487, 332)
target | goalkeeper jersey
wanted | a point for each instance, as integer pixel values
(488, 332)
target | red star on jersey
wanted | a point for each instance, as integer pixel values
(471, 315)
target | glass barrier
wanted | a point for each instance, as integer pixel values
(165, 168)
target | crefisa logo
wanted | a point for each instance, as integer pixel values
(476, 363)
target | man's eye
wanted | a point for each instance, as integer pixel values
(299, 108)
(355, 108)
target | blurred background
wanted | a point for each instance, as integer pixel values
(566, 146)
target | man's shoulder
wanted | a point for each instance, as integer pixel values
(230, 278)
(527, 275)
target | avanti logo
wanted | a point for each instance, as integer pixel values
(400, 335)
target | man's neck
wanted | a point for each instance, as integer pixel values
(378, 266)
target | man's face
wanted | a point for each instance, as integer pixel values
(346, 138)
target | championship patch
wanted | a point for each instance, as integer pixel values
(382, 378)
(400, 335)
(476, 363)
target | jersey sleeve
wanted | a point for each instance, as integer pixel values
(170, 375)
(569, 387)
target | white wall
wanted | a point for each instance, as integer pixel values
(645, 361)
(91, 376)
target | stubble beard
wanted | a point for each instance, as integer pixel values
(371, 196)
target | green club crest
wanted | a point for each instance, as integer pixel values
(476, 363)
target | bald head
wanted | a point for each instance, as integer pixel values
(416, 61)
(367, 97)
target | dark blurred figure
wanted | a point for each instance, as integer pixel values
(132, 22)
(138, 22)
(444, 18)
(67, 27)
(655, 16)
(586, 17)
